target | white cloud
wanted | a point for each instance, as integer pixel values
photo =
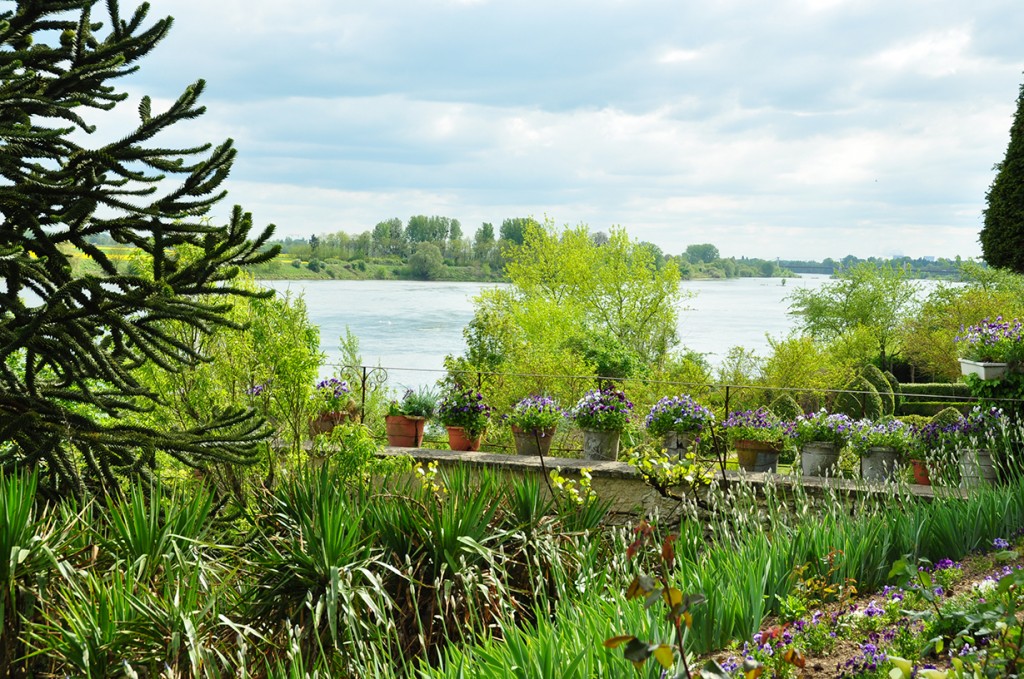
(824, 128)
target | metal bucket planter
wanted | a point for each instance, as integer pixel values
(879, 463)
(533, 442)
(977, 469)
(757, 456)
(819, 458)
(600, 445)
(677, 444)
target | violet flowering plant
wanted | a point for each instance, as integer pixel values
(755, 425)
(980, 428)
(332, 395)
(995, 341)
(602, 410)
(464, 407)
(886, 433)
(535, 413)
(822, 426)
(681, 414)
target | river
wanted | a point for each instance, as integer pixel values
(409, 326)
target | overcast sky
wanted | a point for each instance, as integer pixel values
(787, 128)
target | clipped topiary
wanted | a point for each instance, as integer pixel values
(897, 390)
(859, 399)
(786, 407)
(873, 375)
(947, 416)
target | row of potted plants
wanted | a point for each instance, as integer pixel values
(758, 436)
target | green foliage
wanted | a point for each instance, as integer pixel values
(271, 367)
(785, 407)
(859, 399)
(83, 343)
(874, 297)
(427, 262)
(882, 385)
(1002, 236)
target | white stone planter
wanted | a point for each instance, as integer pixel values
(986, 371)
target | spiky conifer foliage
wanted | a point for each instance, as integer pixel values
(69, 344)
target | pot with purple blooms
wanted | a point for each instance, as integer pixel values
(991, 348)
(534, 421)
(757, 436)
(973, 439)
(820, 437)
(465, 414)
(881, 446)
(332, 404)
(680, 421)
(602, 414)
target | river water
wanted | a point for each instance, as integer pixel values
(409, 326)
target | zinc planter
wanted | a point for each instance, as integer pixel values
(757, 456)
(984, 370)
(459, 439)
(977, 469)
(677, 444)
(533, 442)
(403, 431)
(879, 463)
(600, 445)
(819, 458)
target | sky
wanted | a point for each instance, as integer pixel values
(791, 128)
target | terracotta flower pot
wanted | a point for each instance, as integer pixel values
(324, 423)
(459, 439)
(533, 442)
(757, 456)
(921, 475)
(403, 431)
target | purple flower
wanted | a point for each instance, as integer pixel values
(1000, 543)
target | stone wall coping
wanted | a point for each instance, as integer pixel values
(604, 469)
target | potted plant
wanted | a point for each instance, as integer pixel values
(465, 414)
(991, 348)
(406, 418)
(533, 421)
(333, 404)
(680, 420)
(926, 451)
(758, 437)
(820, 436)
(881, 446)
(972, 440)
(602, 414)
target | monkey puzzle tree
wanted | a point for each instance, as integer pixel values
(69, 345)
(1002, 236)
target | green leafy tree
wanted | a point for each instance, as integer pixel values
(701, 252)
(1002, 236)
(389, 237)
(70, 347)
(427, 262)
(875, 297)
(513, 230)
